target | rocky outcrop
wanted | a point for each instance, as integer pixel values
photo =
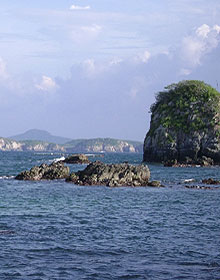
(41, 147)
(106, 145)
(56, 170)
(9, 145)
(77, 159)
(113, 175)
(185, 126)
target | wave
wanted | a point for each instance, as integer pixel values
(58, 159)
(6, 177)
(189, 180)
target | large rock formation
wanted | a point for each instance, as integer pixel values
(185, 125)
(56, 170)
(113, 175)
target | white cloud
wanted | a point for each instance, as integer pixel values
(89, 66)
(194, 47)
(185, 72)
(46, 84)
(115, 61)
(143, 57)
(216, 28)
(93, 29)
(3, 73)
(192, 50)
(203, 31)
(83, 34)
(79, 8)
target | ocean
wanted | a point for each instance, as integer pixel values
(57, 230)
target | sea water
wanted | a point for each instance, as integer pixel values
(57, 230)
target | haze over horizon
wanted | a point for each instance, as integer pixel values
(87, 69)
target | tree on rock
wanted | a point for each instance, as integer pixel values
(185, 125)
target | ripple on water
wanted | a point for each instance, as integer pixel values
(61, 231)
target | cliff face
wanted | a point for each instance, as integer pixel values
(11, 145)
(107, 145)
(83, 146)
(185, 125)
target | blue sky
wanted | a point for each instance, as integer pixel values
(87, 69)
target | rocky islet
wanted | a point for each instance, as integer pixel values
(96, 173)
(185, 126)
(77, 159)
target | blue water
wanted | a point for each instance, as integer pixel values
(55, 230)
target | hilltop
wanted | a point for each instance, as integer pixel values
(185, 125)
(40, 135)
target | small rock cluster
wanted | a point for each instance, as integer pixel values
(199, 187)
(98, 173)
(77, 159)
(211, 181)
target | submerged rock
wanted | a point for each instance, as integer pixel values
(199, 187)
(77, 159)
(56, 170)
(113, 175)
(211, 181)
(185, 126)
(155, 184)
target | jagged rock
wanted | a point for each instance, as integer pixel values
(185, 126)
(113, 175)
(77, 159)
(199, 187)
(155, 184)
(211, 181)
(56, 170)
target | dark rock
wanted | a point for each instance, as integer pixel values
(155, 184)
(211, 181)
(113, 175)
(205, 161)
(77, 159)
(56, 170)
(199, 187)
(6, 232)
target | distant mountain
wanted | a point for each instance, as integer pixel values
(107, 145)
(40, 140)
(40, 135)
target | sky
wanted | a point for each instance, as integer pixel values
(91, 68)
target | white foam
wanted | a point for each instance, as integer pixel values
(58, 159)
(6, 177)
(189, 180)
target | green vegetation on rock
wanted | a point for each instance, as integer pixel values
(185, 124)
(187, 106)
